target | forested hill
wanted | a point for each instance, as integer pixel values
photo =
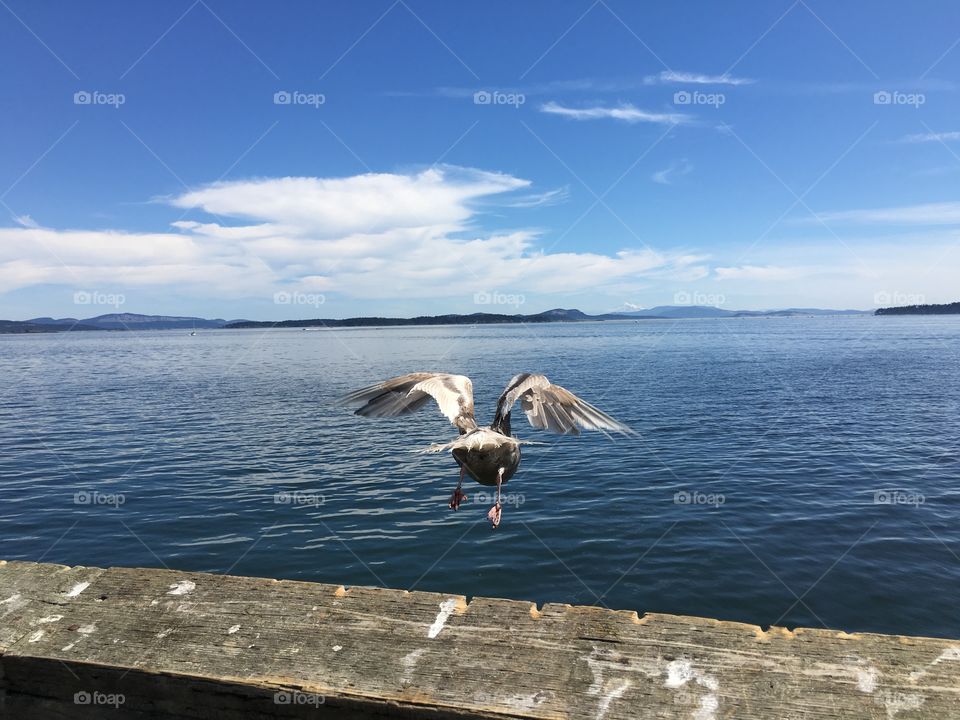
(947, 309)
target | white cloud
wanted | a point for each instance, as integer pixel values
(25, 221)
(931, 137)
(945, 213)
(373, 236)
(593, 85)
(626, 113)
(362, 203)
(676, 169)
(671, 76)
(544, 199)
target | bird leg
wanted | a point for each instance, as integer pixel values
(458, 495)
(494, 515)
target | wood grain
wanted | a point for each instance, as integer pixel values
(78, 642)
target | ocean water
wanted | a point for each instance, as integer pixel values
(791, 471)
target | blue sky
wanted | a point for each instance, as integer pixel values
(625, 154)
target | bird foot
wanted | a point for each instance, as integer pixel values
(458, 497)
(494, 515)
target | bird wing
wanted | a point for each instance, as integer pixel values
(407, 393)
(551, 407)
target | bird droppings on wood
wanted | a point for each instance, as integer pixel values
(232, 629)
(183, 587)
(895, 702)
(681, 672)
(951, 653)
(502, 659)
(409, 663)
(48, 619)
(77, 589)
(867, 680)
(446, 610)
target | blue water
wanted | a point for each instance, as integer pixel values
(820, 457)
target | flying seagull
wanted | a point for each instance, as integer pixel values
(490, 455)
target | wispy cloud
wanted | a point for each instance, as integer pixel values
(670, 76)
(626, 113)
(668, 175)
(25, 221)
(543, 199)
(945, 213)
(932, 137)
(595, 86)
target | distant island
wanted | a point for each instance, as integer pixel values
(135, 321)
(947, 309)
(663, 312)
(111, 321)
(556, 315)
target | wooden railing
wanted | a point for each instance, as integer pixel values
(80, 642)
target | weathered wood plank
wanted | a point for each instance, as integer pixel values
(194, 645)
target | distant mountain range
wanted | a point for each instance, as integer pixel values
(134, 321)
(111, 321)
(556, 315)
(947, 309)
(707, 311)
(663, 312)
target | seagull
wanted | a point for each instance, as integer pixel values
(489, 455)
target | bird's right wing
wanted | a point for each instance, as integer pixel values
(407, 393)
(551, 407)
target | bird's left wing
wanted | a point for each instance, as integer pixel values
(551, 407)
(407, 393)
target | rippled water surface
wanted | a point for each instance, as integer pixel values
(793, 471)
